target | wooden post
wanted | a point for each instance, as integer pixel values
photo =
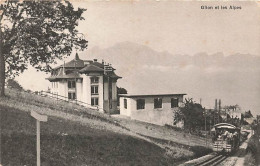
(38, 143)
(39, 118)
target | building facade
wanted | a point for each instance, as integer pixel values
(90, 83)
(156, 109)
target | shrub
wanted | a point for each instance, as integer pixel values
(252, 149)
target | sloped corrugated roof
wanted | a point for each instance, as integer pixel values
(80, 66)
(91, 68)
(74, 74)
(73, 64)
(113, 75)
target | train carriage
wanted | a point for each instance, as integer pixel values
(227, 138)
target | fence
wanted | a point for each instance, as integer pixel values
(66, 99)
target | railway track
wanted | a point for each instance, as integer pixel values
(212, 161)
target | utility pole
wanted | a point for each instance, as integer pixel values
(215, 111)
(205, 115)
(219, 110)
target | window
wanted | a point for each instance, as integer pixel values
(174, 102)
(94, 90)
(71, 96)
(94, 101)
(71, 84)
(158, 103)
(94, 80)
(125, 103)
(140, 104)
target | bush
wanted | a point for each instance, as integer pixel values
(252, 145)
(250, 159)
(252, 155)
(11, 83)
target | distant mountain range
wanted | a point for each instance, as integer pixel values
(233, 78)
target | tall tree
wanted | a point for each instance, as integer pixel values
(191, 114)
(36, 33)
(248, 114)
(120, 91)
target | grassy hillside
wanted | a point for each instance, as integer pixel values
(75, 135)
(73, 144)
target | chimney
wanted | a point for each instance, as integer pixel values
(95, 60)
(102, 61)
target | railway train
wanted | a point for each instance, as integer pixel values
(226, 138)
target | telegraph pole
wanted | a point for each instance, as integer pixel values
(219, 109)
(205, 115)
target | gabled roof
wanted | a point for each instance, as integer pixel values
(74, 74)
(91, 68)
(113, 75)
(80, 66)
(75, 63)
(100, 65)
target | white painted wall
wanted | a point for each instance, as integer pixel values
(83, 89)
(79, 89)
(106, 91)
(125, 111)
(100, 92)
(86, 89)
(63, 88)
(114, 91)
(159, 116)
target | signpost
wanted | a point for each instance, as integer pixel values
(39, 118)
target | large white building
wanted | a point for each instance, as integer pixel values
(152, 108)
(89, 82)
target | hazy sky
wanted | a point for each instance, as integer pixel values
(181, 28)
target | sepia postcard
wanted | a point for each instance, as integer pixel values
(118, 83)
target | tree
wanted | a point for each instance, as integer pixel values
(120, 91)
(248, 114)
(191, 114)
(36, 33)
(11, 83)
